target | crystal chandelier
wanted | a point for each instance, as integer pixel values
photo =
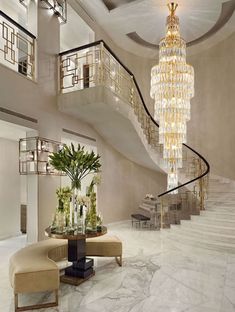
(172, 87)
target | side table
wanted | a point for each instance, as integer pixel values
(82, 267)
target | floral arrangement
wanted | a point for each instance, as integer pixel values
(95, 181)
(64, 194)
(150, 196)
(83, 200)
(76, 163)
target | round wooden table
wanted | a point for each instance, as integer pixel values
(82, 267)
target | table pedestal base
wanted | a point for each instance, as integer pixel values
(72, 280)
(82, 267)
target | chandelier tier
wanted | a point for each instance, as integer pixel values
(172, 87)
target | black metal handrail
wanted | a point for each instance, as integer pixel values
(146, 109)
(16, 24)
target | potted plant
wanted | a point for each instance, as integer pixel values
(76, 163)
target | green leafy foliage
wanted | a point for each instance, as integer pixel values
(76, 163)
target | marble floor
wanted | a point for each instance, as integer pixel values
(158, 275)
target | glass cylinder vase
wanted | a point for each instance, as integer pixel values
(60, 221)
(92, 212)
(78, 222)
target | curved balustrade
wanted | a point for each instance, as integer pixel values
(95, 64)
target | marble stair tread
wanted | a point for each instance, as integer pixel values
(214, 228)
(218, 181)
(210, 236)
(202, 243)
(223, 204)
(217, 195)
(220, 201)
(209, 227)
(221, 189)
(218, 214)
(227, 199)
(222, 222)
(221, 209)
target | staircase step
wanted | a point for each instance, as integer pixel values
(214, 228)
(204, 235)
(208, 227)
(219, 214)
(221, 207)
(221, 211)
(214, 221)
(223, 202)
(221, 198)
(202, 243)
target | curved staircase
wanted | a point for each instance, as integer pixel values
(214, 228)
(98, 88)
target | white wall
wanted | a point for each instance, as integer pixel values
(9, 189)
(75, 32)
(26, 16)
(212, 127)
(23, 189)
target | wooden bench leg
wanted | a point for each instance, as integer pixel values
(119, 260)
(36, 306)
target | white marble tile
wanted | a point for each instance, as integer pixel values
(158, 275)
(227, 305)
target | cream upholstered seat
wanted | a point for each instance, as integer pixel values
(33, 269)
(105, 246)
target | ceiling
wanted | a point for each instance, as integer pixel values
(138, 25)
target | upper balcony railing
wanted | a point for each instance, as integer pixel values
(17, 47)
(96, 65)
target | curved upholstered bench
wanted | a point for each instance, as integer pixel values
(105, 246)
(33, 269)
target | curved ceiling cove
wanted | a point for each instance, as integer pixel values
(113, 4)
(227, 11)
(138, 25)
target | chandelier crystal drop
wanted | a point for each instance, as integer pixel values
(172, 87)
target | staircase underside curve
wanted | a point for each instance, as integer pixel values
(114, 120)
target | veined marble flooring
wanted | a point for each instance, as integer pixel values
(158, 275)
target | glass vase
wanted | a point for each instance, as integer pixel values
(60, 221)
(83, 212)
(79, 214)
(92, 212)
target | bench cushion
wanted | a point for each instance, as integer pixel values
(104, 246)
(31, 269)
(140, 217)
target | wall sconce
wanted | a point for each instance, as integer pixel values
(59, 7)
(34, 156)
